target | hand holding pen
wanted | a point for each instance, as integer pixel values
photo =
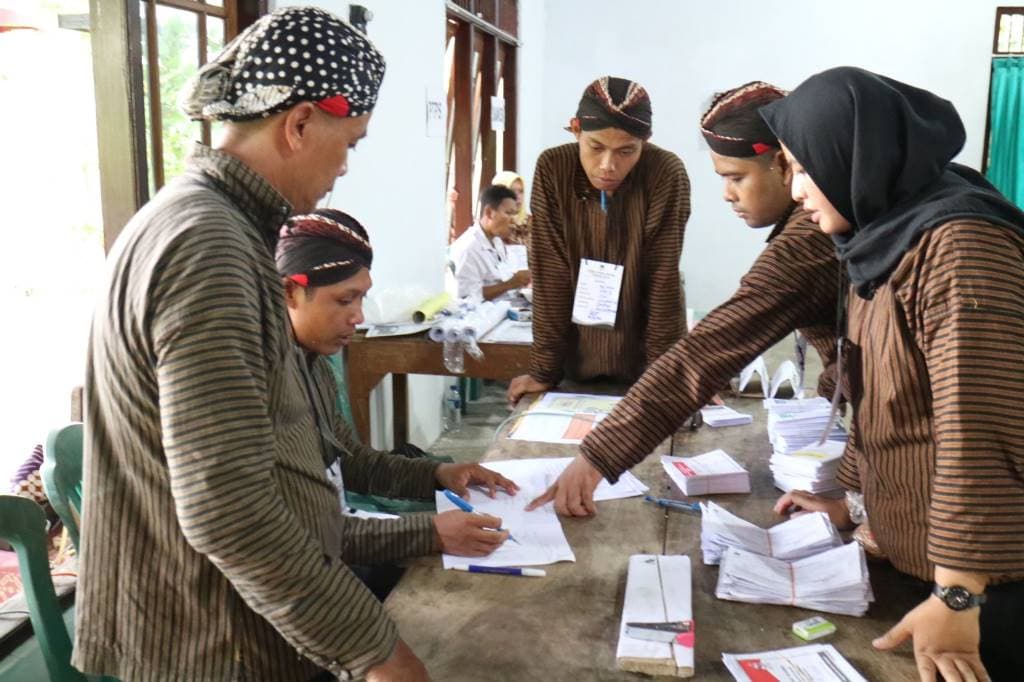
(468, 508)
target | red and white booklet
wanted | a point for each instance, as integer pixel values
(708, 474)
(818, 662)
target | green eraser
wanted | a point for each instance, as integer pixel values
(813, 628)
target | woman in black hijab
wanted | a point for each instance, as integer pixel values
(934, 340)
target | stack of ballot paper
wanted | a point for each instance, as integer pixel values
(712, 473)
(795, 424)
(834, 581)
(818, 662)
(720, 415)
(812, 468)
(799, 537)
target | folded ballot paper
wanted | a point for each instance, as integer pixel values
(658, 592)
(818, 662)
(812, 468)
(799, 537)
(720, 415)
(833, 581)
(712, 473)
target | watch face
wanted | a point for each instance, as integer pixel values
(957, 598)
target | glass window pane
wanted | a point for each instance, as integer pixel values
(178, 37)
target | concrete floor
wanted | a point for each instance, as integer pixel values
(479, 424)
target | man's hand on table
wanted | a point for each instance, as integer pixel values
(403, 666)
(522, 385)
(573, 492)
(800, 501)
(458, 478)
(466, 534)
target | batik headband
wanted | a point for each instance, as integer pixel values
(296, 54)
(741, 130)
(611, 102)
(322, 248)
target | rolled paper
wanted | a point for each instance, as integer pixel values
(429, 308)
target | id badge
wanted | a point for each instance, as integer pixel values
(596, 303)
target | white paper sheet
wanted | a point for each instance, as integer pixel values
(563, 417)
(398, 329)
(540, 473)
(758, 367)
(596, 303)
(818, 662)
(538, 532)
(510, 331)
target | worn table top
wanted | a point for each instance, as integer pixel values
(565, 626)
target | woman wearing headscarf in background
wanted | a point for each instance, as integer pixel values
(791, 285)
(610, 207)
(521, 225)
(934, 340)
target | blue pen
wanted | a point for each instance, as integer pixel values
(502, 570)
(674, 504)
(604, 202)
(467, 507)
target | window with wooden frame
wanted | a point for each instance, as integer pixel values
(1007, 41)
(179, 36)
(480, 70)
(1009, 33)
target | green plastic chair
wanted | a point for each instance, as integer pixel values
(23, 524)
(62, 476)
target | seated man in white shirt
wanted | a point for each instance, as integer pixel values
(483, 269)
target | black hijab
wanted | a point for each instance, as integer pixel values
(881, 152)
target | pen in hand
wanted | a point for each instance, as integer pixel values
(467, 507)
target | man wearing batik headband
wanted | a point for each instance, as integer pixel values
(792, 285)
(207, 509)
(613, 199)
(324, 259)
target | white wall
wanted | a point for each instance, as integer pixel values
(684, 50)
(395, 182)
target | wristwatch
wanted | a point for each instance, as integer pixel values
(958, 598)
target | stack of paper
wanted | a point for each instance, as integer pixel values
(658, 590)
(812, 468)
(818, 662)
(712, 473)
(799, 537)
(795, 424)
(834, 581)
(720, 415)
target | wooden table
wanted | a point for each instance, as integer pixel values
(367, 361)
(565, 626)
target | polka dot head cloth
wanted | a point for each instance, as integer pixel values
(293, 55)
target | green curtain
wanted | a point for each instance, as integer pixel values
(1006, 141)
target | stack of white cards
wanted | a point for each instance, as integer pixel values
(799, 537)
(720, 415)
(812, 468)
(833, 581)
(795, 424)
(712, 473)
(818, 662)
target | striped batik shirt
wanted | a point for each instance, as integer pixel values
(793, 284)
(213, 544)
(568, 223)
(936, 371)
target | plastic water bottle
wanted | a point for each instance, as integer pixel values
(452, 409)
